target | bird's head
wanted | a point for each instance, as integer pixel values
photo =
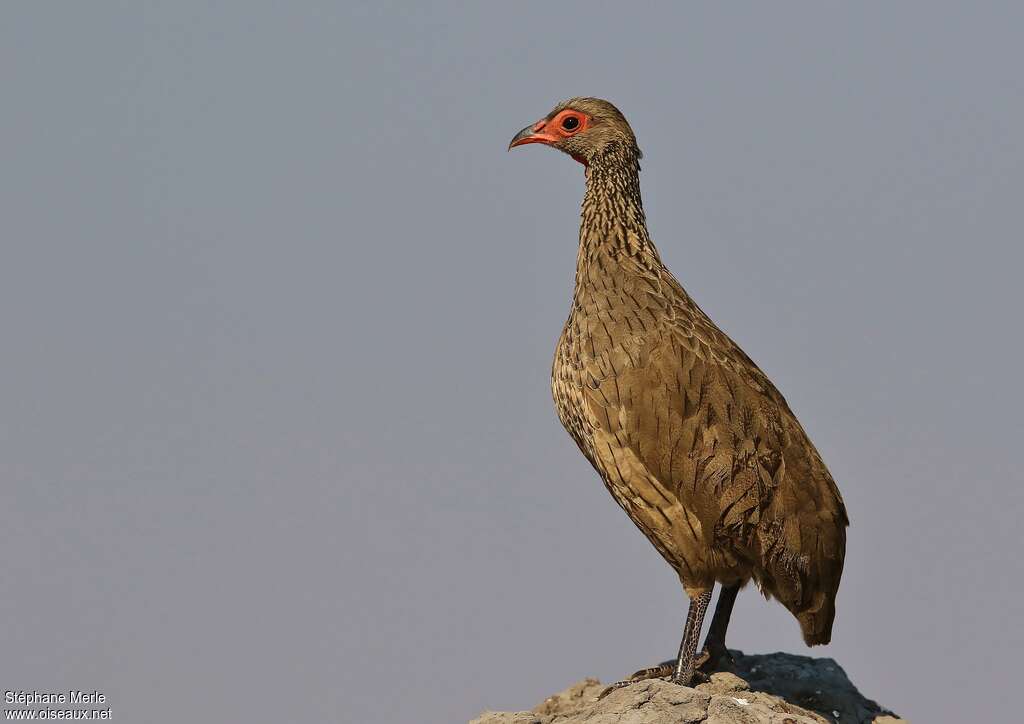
(585, 128)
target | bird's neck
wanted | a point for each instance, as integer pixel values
(613, 228)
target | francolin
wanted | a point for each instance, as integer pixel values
(690, 437)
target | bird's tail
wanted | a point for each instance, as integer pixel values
(816, 620)
(804, 569)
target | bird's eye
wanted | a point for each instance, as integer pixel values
(571, 123)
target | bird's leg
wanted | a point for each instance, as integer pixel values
(661, 671)
(687, 650)
(691, 634)
(715, 656)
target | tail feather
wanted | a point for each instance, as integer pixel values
(816, 621)
(804, 566)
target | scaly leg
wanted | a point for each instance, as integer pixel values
(682, 669)
(715, 656)
(691, 635)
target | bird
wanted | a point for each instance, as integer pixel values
(689, 436)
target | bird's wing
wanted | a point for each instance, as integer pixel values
(679, 399)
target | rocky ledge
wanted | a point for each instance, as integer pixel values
(770, 689)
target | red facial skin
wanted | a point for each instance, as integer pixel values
(551, 131)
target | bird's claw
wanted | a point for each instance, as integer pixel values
(662, 671)
(710, 661)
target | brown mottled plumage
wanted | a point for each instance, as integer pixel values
(690, 437)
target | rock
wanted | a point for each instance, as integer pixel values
(771, 689)
(817, 684)
(508, 717)
(723, 682)
(570, 700)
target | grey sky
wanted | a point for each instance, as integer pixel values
(277, 442)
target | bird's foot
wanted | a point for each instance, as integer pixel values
(665, 670)
(714, 659)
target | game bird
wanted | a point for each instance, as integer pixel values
(690, 437)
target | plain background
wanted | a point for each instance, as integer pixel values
(278, 312)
